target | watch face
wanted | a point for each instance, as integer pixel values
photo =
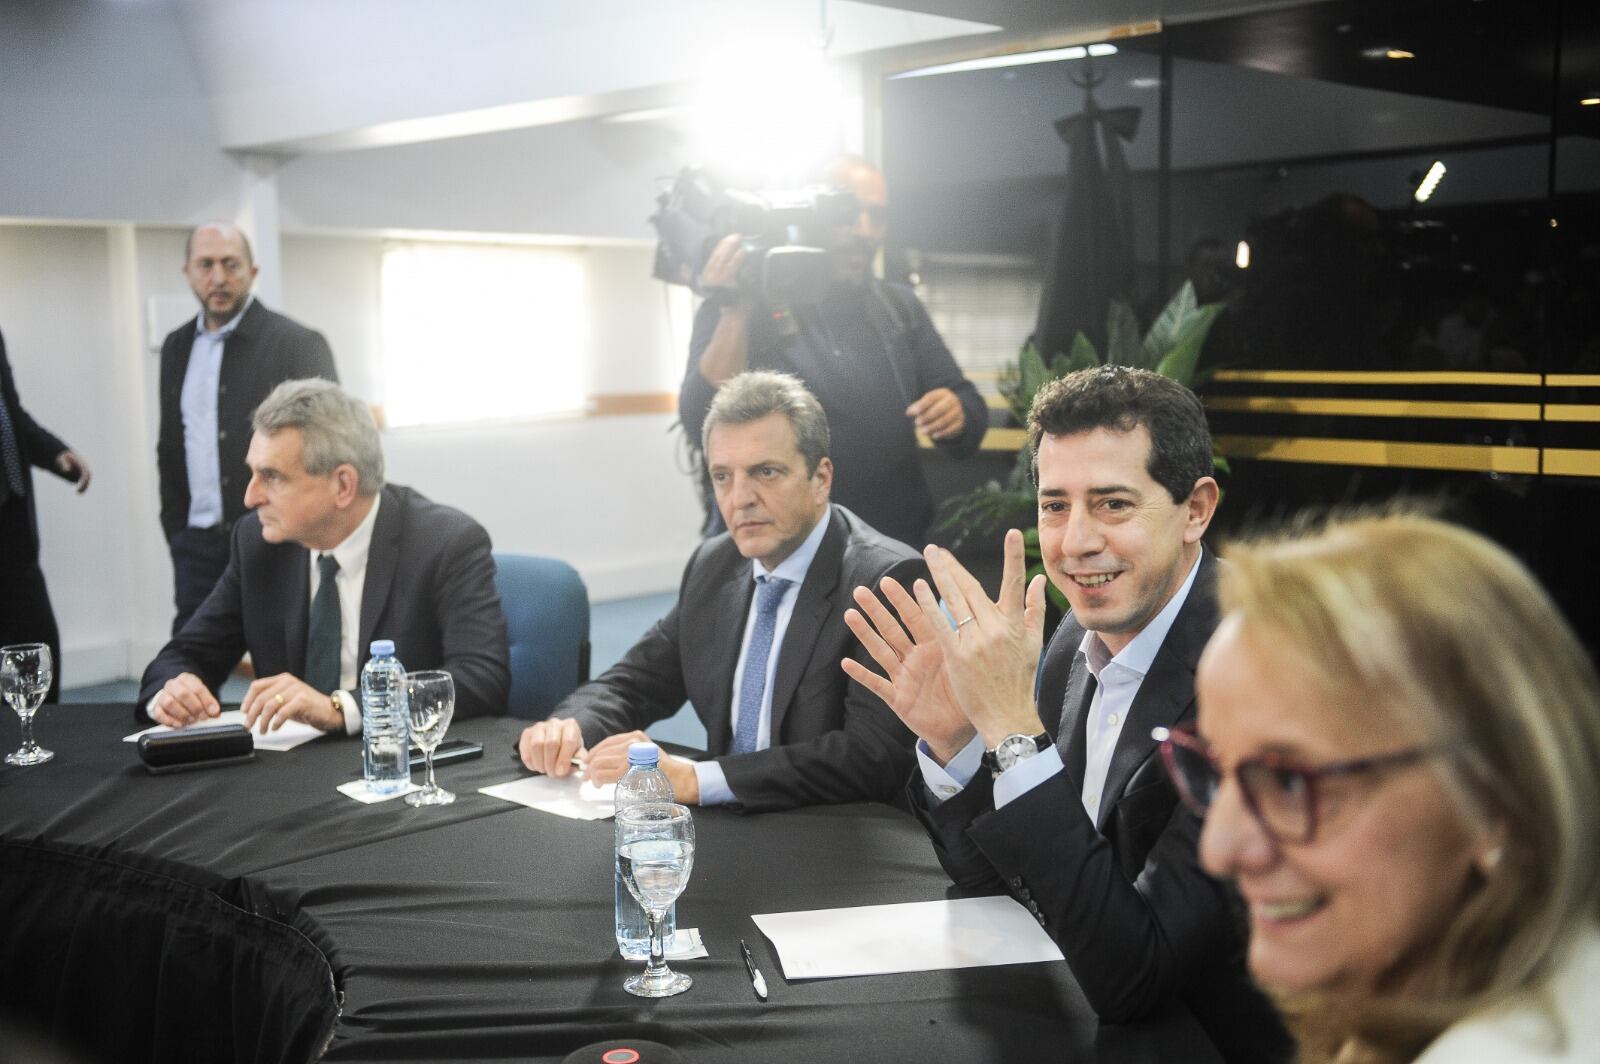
(1014, 748)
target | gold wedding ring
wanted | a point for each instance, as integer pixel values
(278, 699)
(969, 620)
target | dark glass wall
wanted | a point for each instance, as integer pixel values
(1374, 343)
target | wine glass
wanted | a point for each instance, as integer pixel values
(655, 851)
(24, 680)
(432, 700)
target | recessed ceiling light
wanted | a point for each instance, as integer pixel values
(1590, 101)
(1430, 181)
(993, 62)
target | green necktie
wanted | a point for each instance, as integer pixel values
(324, 635)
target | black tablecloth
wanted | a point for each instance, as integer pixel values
(477, 931)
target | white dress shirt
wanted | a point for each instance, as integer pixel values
(351, 580)
(1118, 679)
(198, 404)
(714, 789)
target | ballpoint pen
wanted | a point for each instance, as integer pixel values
(756, 981)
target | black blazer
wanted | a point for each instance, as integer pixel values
(1135, 915)
(264, 351)
(36, 446)
(429, 587)
(832, 740)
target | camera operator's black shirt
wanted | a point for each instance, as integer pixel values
(867, 352)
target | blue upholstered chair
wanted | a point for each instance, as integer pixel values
(547, 621)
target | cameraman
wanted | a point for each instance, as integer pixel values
(867, 350)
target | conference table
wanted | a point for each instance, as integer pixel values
(252, 912)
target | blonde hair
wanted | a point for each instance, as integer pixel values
(1447, 634)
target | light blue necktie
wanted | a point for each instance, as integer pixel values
(10, 457)
(769, 592)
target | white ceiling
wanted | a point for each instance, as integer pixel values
(298, 76)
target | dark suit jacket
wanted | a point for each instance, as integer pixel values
(264, 351)
(1135, 915)
(36, 447)
(429, 587)
(832, 741)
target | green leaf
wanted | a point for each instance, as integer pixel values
(1082, 356)
(1123, 346)
(1163, 335)
(1179, 363)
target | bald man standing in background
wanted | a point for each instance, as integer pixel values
(215, 370)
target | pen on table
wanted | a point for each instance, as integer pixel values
(516, 755)
(756, 981)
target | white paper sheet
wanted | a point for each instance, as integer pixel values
(357, 789)
(912, 937)
(571, 796)
(287, 737)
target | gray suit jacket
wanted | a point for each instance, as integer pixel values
(1135, 915)
(832, 741)
(429, 587)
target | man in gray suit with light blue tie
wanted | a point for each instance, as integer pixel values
(755, 639)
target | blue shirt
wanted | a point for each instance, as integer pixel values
(714, 789)
(199, 406)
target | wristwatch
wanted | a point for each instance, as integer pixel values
(1014, 748)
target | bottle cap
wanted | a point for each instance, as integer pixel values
(381, 647)
(643, 754)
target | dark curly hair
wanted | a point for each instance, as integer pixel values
(1121, 398)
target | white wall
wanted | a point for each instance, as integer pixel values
(103, 116)
(79, 376)
(604, 493)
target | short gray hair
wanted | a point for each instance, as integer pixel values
(337, 428)
(758, 394)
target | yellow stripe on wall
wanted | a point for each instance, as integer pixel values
(1408, 408)
(1565, 462)
(1309, 376)
(1571, 412)
(1573, 380)
(1473, 458)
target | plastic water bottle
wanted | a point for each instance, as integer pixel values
(385, 727)
(643, 783)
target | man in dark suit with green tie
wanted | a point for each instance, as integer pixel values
(329, 559)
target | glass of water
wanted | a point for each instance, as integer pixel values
(24, 680)
(432, 701)
(655, 852)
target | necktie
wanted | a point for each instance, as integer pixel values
(323, 637)
(769, 592)
(10, 457)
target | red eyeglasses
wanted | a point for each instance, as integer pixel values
(1280, 793)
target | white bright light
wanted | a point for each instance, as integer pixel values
(1430, 181)
(994, 62)
(770, 117)
(1241, 255)
(479, 332)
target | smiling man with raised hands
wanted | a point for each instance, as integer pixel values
(1045, 782)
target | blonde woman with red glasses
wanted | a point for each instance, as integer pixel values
(1398, 762)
